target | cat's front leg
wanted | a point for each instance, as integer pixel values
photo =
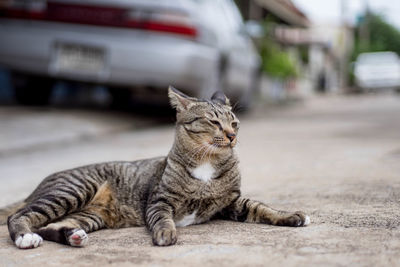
(246, 210)
(161, 224)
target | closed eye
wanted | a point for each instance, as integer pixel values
(217, 123)
(193, 120)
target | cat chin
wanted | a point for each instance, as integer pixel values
(223, 150)
(222, 146)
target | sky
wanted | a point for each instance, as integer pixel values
(329, 11)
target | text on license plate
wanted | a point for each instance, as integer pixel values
(72, 57)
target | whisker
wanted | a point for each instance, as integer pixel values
(196, 150)
(213, 149)
(205, 152)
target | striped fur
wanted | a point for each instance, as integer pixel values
(197, 181)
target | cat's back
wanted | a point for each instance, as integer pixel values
(124, 176)
(147, 168)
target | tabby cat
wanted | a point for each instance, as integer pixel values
(199, 180)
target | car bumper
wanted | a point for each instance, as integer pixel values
(378, 83)
(131, 57)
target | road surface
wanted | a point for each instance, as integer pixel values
(337, 158)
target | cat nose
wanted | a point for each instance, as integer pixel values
(231, 136)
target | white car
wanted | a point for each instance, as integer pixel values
(138, 46)
(377, 70)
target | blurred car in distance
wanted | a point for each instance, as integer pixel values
(377, 70)
(135, 46)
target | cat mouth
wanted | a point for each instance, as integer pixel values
(228, 145)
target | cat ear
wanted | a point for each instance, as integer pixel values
(179, 100)
(219, 97)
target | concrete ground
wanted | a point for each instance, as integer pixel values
(337, 158)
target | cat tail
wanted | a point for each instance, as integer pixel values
(9, 210)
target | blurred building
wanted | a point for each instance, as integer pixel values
(329, 47)
(276, 14)
(283, 10)
(320, 51)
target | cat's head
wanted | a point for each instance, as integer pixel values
(205, 125)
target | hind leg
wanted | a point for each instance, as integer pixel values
(38, 213)
(63, 207)
(72, 230)
(24, 222)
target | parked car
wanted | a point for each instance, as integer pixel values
(138, 46)
(378, 70)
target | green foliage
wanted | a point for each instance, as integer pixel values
(382, 36)
(275, 61)
(304, 54)
(379, 35)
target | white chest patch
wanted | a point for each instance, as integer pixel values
(187, 220)
(204, 172)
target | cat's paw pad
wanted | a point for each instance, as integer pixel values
(29, 240)
(77, 238)
(164, 237)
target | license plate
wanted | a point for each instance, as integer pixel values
(80, 58)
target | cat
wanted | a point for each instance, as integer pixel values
(198, 181)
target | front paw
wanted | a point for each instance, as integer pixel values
(296, 219)
(164, 237)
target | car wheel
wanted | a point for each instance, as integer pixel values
(121, 98)
(32, 90)
(246, 101)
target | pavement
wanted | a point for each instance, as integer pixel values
(336, 158)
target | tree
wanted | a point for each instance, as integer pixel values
(381, 36)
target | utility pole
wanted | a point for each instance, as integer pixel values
(364, 28)
(344, 58)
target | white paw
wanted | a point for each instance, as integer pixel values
(79, 238)
(29, 240)
(307, 220)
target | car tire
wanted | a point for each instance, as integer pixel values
(246, 101)
(221, 73)
(121, 98)
(32, 90)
